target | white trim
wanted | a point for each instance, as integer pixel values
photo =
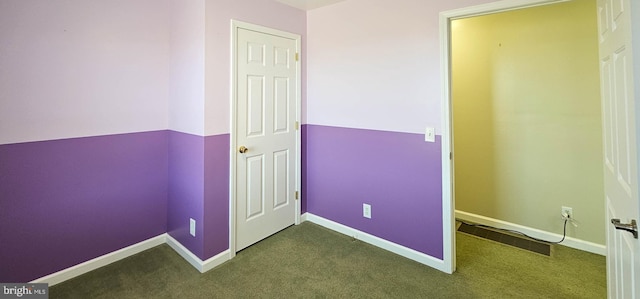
(258, 28)
(536, 233)
(495, 7)
(235, 25)
(448, 198)
(112, 257)
(233, 143)
(378, 242)
(215, 261)
(303, 217)
(101, 261)
(298, 209)
(196, 262)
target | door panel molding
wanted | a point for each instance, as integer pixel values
(620, 121)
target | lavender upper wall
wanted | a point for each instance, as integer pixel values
(200, 82)
(375, 64)
(186, 85)
(68, 201)
(398, 174)
(219, 14)
(76, 68)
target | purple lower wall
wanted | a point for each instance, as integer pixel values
(82, 198)
(398, 174)
(186, 189)
(199, 189)
(85, 197)
(303, 170)
(216, 194)
(63, 202)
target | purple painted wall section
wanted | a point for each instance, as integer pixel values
(186, 189)
(85, 197)
(63, 202)
(216, 194)
(303, 175)
(399, 174)
(199, 189)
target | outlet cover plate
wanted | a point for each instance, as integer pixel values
(366, 210)
(567, 211)
(192, 227)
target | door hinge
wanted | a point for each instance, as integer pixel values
(296, 195)
(297, 125)
(450, 156)
(297, 56)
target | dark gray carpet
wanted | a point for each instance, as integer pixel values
(308, 261)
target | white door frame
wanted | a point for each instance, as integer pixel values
(448, 196)
(235, 25)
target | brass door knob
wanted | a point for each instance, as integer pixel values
(243, 149)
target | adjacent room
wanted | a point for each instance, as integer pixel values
(527, 122)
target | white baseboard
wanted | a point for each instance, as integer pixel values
(536, 233)
(204, 266)
(196, 262)
(376, 241)
(101, 261)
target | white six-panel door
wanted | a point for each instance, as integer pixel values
(620, 152)
(265, 135)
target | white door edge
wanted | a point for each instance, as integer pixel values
(235, 25)
(448, 198)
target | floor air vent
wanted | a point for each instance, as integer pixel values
(530, 245)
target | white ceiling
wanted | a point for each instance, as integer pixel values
(308, 4)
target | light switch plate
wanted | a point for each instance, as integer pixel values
(430, 134)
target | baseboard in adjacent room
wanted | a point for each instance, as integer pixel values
(101, 261)
(536, 233)
(376, 241)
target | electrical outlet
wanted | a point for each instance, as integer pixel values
(366, 210)
(566, 212)
(192, 226)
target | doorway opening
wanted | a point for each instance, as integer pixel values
(514, 124)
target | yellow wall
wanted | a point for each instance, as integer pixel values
(526, 117)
